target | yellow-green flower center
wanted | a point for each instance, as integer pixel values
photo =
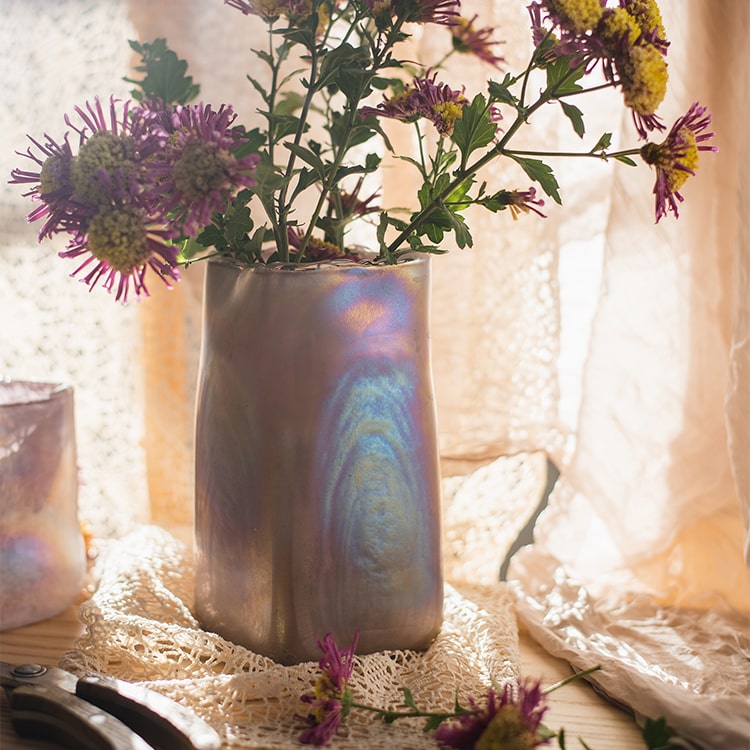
(102, 153)
(677, 167)
(447, 114)
(618, 23)
(507, 730)
(578, 15)
(118, 236)
(200, 170)
(644, 79)
(53, 175)
(647, 15)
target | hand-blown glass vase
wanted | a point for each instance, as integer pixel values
(317, 474)
(42, 550)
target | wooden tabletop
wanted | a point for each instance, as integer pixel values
(576, 706)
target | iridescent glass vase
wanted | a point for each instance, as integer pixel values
(317, 474)
(42, 551)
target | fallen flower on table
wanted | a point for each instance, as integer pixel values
(509, 717)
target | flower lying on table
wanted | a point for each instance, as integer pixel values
(163, 181)
(509, 718)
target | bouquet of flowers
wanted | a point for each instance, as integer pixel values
(160, 181)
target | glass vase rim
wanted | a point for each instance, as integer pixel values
(322, 266)
(16, 393)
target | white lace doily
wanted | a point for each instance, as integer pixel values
(140, 627)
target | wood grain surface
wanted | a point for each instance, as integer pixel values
(576, 707)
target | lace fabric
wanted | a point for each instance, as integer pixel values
(139, 627)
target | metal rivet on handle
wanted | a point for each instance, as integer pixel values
(28, 670)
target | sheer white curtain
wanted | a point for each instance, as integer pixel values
(619, 348)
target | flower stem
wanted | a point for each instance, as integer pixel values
(572, 678)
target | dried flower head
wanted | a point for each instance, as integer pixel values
(197, 172)
(511, 718)
(469, 39)
(332, 698)
(676, 158)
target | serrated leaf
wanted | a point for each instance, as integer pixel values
(603, 143)
(575, 116)
(473, 130)
(539, 172)
(561, 78)
(501, 93)
(165, 74)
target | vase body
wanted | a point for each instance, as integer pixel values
(42, 551)
(317, 474)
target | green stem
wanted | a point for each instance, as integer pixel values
(351, 114)
(572, 678)
(576, 154)
(522, 116)
(306, 104)
(395, 715)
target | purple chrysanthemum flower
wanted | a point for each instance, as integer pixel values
(676, 158)
(471, 40)
(52, 188)
(120, 244)
(97, 196)
(269, 9)
(647, 15)
(511, 718)
(521, 201)
(350, 204)
(443, 12)
(196, 173)
(439, 103)
(436, 102)
(402, 106)
(332, 698)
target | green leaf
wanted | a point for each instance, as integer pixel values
(165, 74)
(432, 723)
(562, 79)
(308, 157)
(603, 143)
(474, 129)
(658, 736)
(501, 93)
(289, 103)
(539, 172)
(626, 160)
(254, 140)
(409, 701)
(305, 179)
(575, 116)
(281, 125)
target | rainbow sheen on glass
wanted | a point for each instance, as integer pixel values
(42, 552)
(317, 474)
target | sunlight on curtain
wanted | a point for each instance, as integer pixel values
(619, 348)
(55, 56)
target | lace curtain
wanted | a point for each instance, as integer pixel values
(618, 348)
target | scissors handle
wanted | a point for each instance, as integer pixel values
(162, 722)
(52, 714)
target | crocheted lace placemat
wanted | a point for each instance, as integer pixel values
(139, 626)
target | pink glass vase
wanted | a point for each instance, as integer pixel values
(42, 552)
(317, 473)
